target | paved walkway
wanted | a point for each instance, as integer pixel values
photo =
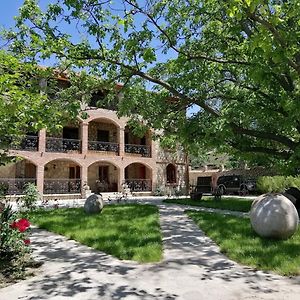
(192, 268)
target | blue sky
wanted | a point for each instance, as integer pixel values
(9, 9)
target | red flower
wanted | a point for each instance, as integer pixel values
(22, 224)
(27, 241)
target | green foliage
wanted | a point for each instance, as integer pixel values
(277, 184)
(127, 231)
(240, 243)
(234, 204)
(28, 103)
(235, 62)
(30, 198)
(14, 252)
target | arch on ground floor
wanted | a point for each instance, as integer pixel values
(15, 175)
(23, 156)
(138, 177)
(73, 160)
(171, 174)
(62, 176)
(103, 176)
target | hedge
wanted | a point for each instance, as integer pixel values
(276, 184)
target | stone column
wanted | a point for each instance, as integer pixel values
(153, 150)
(121, 178)
(84, 137)
(122, 142)
(40, 179)
(84, 182)
(154, 177)
(42, 140)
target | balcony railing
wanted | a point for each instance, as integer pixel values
(103, 146)
(139, 185)
(62, 186)
(143, 150)
(62, 145)
(15, 186)
(27, 143)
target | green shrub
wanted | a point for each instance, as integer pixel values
(276, 184)
(31, 196)
(14, 244)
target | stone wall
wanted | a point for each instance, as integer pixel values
(95, 126)
(170, 188)
(58, 169)
(93, 174)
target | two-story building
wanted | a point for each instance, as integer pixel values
(100, 153)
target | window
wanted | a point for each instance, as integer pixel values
(171, 173)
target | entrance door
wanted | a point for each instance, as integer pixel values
(103, 174)
(142, 172)
(30, 171)
(74, 172)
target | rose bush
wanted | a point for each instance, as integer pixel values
(14, 244)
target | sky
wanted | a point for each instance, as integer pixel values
(9, 9)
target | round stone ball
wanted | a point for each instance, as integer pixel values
(274, 216)
(93, 204)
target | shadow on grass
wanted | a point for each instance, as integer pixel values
(239, 242)
(233, 204)
(126, 231)
(192, 262)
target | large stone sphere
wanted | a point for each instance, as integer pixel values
(274, 216)
(93, 204)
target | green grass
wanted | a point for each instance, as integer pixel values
(130, 231)
(236, 204)
(239, 242)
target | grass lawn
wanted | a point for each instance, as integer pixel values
(229, 203)
(240, 243)
(128, 231)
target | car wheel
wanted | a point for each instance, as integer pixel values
(244, 191)
(221, 190)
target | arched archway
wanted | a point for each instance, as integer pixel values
(135, 145)
(103, 176)
(138, 177)
(171, 174)
(62, 176)
(15, 175)
(103, 135)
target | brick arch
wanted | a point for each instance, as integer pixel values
(24, 157)
(107, 119)
(103, 161)
(138, 162)
(64, 159)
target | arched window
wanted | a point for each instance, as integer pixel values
(171, 173)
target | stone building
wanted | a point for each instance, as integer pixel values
(100, 153)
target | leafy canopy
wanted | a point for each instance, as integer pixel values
(237, 62)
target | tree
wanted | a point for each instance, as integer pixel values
(237, 61)
(30, 100)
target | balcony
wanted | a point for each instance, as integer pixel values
(28, 143)
(139, 185)
(103, 147)
(62, 186)
(15, 186)
(62, 145)
(143, 150)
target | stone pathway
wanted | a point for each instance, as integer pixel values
(192, 268)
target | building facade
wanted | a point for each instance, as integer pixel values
(100, 154)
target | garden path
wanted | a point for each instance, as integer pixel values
(192, 268)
